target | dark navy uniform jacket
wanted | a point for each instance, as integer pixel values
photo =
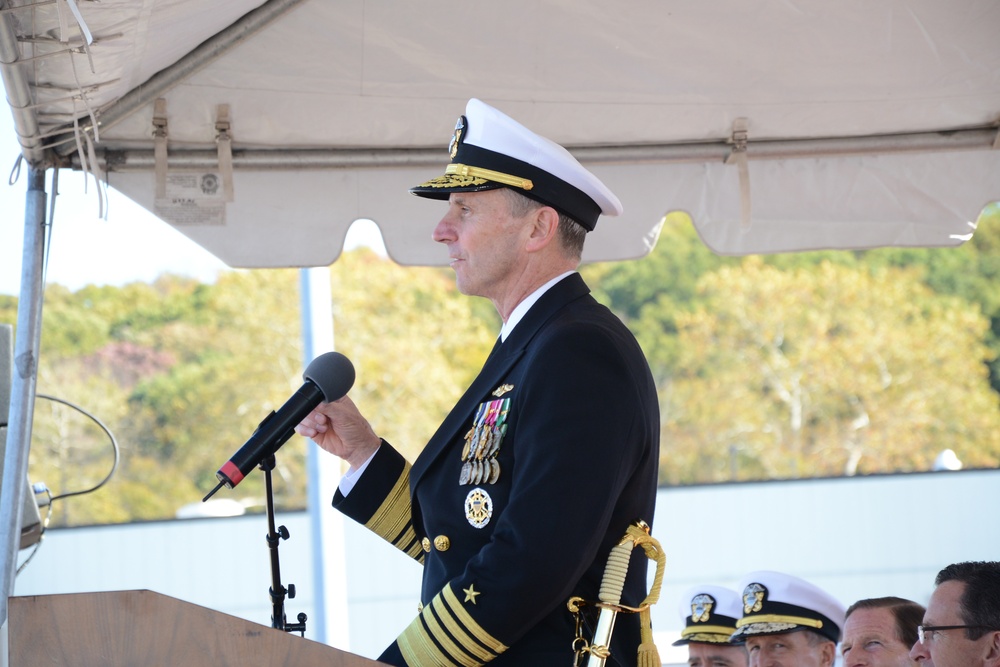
(576, 464)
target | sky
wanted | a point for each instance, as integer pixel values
(130, 244)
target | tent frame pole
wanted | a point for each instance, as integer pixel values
(139, 159)
(22, 400)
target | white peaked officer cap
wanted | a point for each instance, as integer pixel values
(775, 603)
(710, 614)
(491, 150)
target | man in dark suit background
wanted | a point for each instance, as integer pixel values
(551, 454)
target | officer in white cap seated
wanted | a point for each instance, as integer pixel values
(516, 502)
(788, 622)
(710, 614)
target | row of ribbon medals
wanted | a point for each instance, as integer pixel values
(482, 443)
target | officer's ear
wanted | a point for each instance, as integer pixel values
(992, 649)
(544, 228)
(828, 653)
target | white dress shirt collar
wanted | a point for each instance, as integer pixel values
(522, 308)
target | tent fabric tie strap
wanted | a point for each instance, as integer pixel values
(160, 146)
(738, 156)
(224, 141)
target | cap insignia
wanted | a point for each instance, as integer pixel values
(753, 598)
(478, 508)
(701, 608)
(456, 138)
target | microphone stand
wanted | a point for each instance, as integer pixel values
(278, 591)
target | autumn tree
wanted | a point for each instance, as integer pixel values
(98, 348)
(823, 372)
(789, 365)
(182, 373)
(649, 294)
(415, 341)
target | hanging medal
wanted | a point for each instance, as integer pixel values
(471, 444)
(482, 442)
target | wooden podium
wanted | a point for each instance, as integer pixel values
(146, 629)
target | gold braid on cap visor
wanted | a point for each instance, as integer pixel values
(778, 618)
(490, 175)
(707, 630)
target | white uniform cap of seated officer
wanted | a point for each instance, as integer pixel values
(776, 603)
(491, 150)
(710, 614)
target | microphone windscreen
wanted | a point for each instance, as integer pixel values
(333, 373)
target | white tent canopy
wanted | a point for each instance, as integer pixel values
(867, 123)
(263, 130)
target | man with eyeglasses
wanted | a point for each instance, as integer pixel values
(879, 632)
(961, 626)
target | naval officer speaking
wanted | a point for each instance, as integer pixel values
(551, 454)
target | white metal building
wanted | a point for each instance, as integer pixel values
(857, 537)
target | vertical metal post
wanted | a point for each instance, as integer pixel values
(22, 398)
(329, 565)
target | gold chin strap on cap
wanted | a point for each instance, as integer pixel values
(610, 601)
(489, 175)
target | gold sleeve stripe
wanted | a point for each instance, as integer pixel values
(391, 520)
(461, 624)
(447, 644)
(417, 647)
(436, 637)
(409, 544)
(467, 645)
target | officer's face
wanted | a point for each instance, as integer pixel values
(871, 640)
(484, 242)
(793, 649)
(952, 648)
(716, 655)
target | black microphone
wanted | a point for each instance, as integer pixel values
(327, 378)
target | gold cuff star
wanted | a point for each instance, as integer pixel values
(471, 593)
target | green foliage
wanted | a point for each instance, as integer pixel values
(183, 373)
(416, 342)
(970, 271)
(790, 365)
(827, 371)
(8, 310)
(680, 284)
(649, 294)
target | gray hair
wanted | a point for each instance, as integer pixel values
(571, 233)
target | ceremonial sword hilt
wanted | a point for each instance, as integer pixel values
(610, 594)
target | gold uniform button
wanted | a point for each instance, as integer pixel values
(426, 544)
(442, 543)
